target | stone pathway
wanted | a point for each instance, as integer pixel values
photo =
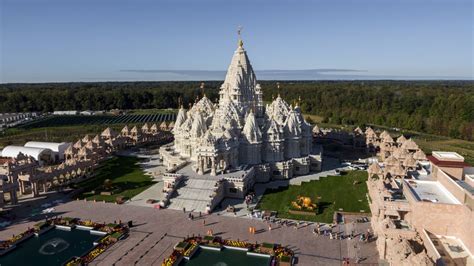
(157, 231)
(154, 168)
(154, 192)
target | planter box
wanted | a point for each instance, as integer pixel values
(178, 260)
(209, 238)
(286, 261)
(192, 253)
(267, 248)
(116, 236)
(181, 246)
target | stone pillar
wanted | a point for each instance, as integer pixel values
(35, 188)
(45, 187)
(200, 165)
(22, 187)
(213, 166)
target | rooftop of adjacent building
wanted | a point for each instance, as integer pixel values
(431, 191)
(451, 249)
(447, 159)
(448, 156)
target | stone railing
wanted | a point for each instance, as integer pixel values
(171, 182)
(431, 250)
(396, 206)
(404, 233)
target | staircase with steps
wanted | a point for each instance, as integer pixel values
(194, 195)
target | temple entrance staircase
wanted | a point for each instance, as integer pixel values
(195, 195)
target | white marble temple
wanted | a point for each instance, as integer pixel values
(240, 130)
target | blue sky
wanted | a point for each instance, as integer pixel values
(101, 40)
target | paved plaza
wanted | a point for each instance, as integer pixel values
(157, 231)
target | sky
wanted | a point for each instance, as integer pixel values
(125, 40)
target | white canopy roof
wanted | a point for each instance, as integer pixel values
(54, 146)
(13, 151)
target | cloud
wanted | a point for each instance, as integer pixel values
(272, 74)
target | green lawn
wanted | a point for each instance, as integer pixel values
(124, 173)
(335, 192)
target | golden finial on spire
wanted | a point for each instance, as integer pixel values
(278, 88)
(180, 102)
(239, 31)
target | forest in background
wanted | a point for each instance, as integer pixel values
(435, 107)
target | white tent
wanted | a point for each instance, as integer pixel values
(58, 148)
(39, 154)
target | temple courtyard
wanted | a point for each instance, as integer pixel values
(155, 233)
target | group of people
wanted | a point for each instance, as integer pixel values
(252, 230)
(319, 230)
(191, 215)
(249, 199)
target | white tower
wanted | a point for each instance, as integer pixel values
(250, 142)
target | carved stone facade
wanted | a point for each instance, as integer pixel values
(240, 130)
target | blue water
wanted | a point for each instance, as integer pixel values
(225, 257)
(51, 248)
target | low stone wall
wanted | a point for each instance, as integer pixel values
(308, 213)
(431, 250)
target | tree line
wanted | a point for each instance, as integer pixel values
(435, 107)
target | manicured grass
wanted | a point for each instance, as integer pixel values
(463, 147)
(125, 174)
(427, 142)
(335, 192)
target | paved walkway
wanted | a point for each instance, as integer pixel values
(157, 231)
(153, 167)
(330, 164)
